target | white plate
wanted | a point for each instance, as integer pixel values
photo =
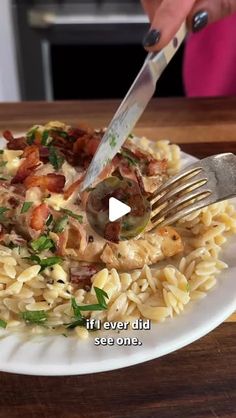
(68, 356)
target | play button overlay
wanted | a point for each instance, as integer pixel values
(117, 209)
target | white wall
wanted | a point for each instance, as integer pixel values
(9, 86)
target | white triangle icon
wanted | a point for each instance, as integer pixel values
(117, 209)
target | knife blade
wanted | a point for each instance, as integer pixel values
(132, 107)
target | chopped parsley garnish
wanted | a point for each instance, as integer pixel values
(55, 158)
(42, 243)
(77, 323)
(49, 220)
(76, 310)
(2, 212)
(3, 163)
(63, 134)
(35, 258)
(131, 160)
(34, 317)
(46, 138)
(100, 306)
(3, 179)
(44, 262)
(68, 212)
(26, 206)
(50, 261)
(131, 136)
(1, 151)
(31, 135)
(60, 224)
(3, 323)
(112, 141)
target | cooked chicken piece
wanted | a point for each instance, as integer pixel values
(149, 249)
(94, 248)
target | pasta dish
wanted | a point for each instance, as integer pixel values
(56, 271)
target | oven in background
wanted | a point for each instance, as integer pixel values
(83, 50)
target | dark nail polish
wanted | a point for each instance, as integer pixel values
(200, 20)
(151, 38)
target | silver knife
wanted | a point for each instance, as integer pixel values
(132, 107)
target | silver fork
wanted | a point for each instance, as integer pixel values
(201, 184)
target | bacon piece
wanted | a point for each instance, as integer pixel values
(31, 149)
(52, 182)
(15, 143)
(44, 153)
(39, 216)
(112, 232)
(81, 276)
(18, 144)
(86, 145)
(19, 190)
(31, 162)
(75, 133)
(137, 153)
(13, 202)
(72, 188)
(79, 145)
(8, 136)
(91, 146)
(58, 140)
(2, 232)
(156, 167)
(135, 201)
(62, 242)
(140, 181)
(127, 171)
(140, 154)
(148, 164)
(110, 168)
(102, 203)
(83, 199)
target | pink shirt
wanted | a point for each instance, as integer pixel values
(210, 60)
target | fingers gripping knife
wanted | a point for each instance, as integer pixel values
(132, 107)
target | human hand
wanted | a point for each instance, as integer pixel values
(166, 17)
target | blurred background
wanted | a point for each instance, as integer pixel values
(65, 49)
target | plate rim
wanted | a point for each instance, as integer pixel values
(123, 361)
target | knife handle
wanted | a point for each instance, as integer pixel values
(167, 53)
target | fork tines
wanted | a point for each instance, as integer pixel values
(208, 181)
(175, 198)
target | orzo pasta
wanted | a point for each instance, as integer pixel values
(55, 271)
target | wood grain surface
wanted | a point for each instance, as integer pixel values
(195, 382)
(181, 120)
(198, 381)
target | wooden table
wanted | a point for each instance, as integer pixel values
(197, 381)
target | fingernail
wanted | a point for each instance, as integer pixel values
(200, 20)
(151, 38)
